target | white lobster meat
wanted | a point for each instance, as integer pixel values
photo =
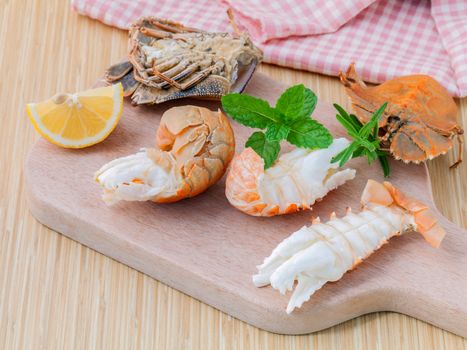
(194, 147)
(323, 252)
(294, 182)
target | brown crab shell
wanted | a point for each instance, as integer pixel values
(152, 87)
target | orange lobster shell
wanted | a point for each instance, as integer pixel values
(420, 121)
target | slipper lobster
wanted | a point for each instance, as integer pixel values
(323, 252)
(420, 121)
(168, 61)
(194, 148)
(295, 182)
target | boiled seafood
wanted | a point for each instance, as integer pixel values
(323, 252)
(419, 122)
(194, 148)
(168, 61)
(293, 183)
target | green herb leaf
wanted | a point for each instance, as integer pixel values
(309, 105)
(383, 160)
(297, 102)
(366, 129)
(338, 157)
(373, 122)
(308, 133)
(353, 118)
(268, 150)
(345, 154)
(359, 152)
(365, 139)
(348, 152)
(367, 144)
(289, 120)
(277, 132)
(341, 111)
(371, 156)
(348, 125)
(250, 111)
(375, 131)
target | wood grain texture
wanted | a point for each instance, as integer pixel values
(58, 294)
(207, 249)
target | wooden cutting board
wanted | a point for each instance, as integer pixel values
(209, 250)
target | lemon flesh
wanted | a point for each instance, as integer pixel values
(78, 120)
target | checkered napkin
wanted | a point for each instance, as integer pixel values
(386, 38)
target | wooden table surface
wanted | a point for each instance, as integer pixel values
(57, 294)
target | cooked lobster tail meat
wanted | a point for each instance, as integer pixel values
(295, 182)
(324, 251)
(194, 147)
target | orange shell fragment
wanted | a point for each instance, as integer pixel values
(425, 220)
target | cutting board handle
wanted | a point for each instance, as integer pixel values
(439, 295)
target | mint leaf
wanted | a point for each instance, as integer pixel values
(289, 120)
(309, 104)
(290, 103)
(297, 102)
(268, 150)
(308, 133)
(249, 111)
(277, 132)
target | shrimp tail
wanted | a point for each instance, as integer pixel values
(295, 181)
(324, 251)
(241, 187)
(425, 220)
(194, 147)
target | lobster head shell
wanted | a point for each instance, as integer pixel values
(168, 61)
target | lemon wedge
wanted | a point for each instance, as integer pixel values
(78, 120)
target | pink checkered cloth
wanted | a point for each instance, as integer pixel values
(386, 38)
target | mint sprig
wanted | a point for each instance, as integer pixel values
(250, 111)
(365, 139)
(268, 149)
(297, 102)
(289, 120)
